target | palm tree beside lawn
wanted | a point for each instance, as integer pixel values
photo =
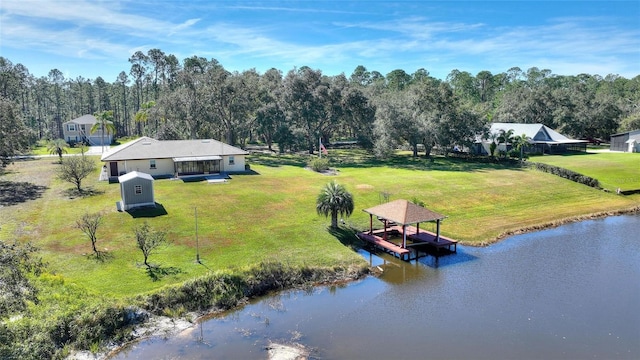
(58, 147)
(520, 142)
(334, 199)
(104, 123)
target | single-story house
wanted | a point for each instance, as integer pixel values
(542, 139)
(136, 190)
(627, 142)
(173, 158)
(79, 130)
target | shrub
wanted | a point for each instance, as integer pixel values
(319, 164)
(568, 174)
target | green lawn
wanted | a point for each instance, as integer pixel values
(41, 149)
(613, 170)
(271, 215)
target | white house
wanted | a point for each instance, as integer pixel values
(541, 139)
(79, 130)
(172, 158)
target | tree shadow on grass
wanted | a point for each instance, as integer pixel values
(157, 272)
(13, 193)
(277, 160)
(148, 211)
(366, 159)
(101, 256)
(347, 236)
(74, 193)
(435, 162)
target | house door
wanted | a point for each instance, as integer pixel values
(113, 167)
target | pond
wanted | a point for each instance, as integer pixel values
(564, 293)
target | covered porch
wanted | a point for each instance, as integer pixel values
(197, 165)
(399, 235)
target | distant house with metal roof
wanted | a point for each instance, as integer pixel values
(628, 141)
(79, 130)
(541, 138)
(173, 158)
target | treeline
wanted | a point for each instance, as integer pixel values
(198, 98)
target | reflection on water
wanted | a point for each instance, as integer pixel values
(565, 293)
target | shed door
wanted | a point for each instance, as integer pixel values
(113, 166)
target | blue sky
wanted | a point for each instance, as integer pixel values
(91, 38)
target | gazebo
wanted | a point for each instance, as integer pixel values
(399, 216)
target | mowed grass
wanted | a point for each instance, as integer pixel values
(270, 215)
(42, 149)
(613, 169)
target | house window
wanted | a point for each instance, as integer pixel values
(72, 127)
(232, 160)
(138, 189)
(152, 164)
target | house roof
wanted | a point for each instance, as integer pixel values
(404, 212)
(133, 175)
(149, 148)
(84, 120)
(537, 133)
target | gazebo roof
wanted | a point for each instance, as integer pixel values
(404, 212)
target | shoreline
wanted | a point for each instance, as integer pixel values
(163, 326)
(156, 326)
(554, 224)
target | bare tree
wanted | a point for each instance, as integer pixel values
(74, 169)
(89, 224)
(149, 241)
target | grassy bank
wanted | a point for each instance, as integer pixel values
(267, 217)
(614, 170)
(270, 215)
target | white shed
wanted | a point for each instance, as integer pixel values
(136, 190)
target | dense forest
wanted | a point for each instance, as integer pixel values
(164, 98)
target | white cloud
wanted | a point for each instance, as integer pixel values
(108, 30)
(185, 25)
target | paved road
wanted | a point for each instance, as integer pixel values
(96, 150)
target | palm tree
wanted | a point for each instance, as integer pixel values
(104, 123)
(58, 147)
(334, 199)
(142, 116)
(494, 143)
(506, 138)
(520, 142)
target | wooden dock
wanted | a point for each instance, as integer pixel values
(428, 238)
(415, 241)
(385, 245)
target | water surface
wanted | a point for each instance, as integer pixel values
(571, 292)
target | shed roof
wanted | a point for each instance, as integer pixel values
(149, 148)
(630, 133)
(133, 175)
(404, 212)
